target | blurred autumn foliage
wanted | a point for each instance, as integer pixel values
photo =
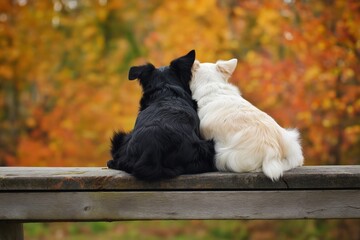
(64, 63)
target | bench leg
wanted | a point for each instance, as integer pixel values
(11, 231)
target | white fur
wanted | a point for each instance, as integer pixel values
(246, 139)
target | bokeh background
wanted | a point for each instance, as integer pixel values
(64, 88)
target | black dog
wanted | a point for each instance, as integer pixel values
(165, 141)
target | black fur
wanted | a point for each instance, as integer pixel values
(165, 141)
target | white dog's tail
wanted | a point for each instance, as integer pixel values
(272, 165)
(292, 149)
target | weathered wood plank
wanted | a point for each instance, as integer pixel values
(11, 231)
(108, 206)
(50, 179)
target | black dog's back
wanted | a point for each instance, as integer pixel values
(165, 141)
(164, 147)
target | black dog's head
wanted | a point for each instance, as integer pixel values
(177, 74)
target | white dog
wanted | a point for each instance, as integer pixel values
(246, 139)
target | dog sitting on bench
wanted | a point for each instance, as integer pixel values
(165, 141)
(246, 138)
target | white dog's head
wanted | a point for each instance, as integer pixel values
(203, 73)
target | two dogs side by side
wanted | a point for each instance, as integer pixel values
(192, 120)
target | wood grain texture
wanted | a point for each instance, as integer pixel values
(109, 206)
(95, 179)
(11, 231)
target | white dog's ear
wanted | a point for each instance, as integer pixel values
(226, 67)
(196, 65)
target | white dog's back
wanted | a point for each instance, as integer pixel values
(246, 139)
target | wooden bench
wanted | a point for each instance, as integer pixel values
(30, 194)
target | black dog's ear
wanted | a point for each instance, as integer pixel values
(140, 71)
(184, 63)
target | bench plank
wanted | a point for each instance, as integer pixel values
(95, 179)
(109, 206)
